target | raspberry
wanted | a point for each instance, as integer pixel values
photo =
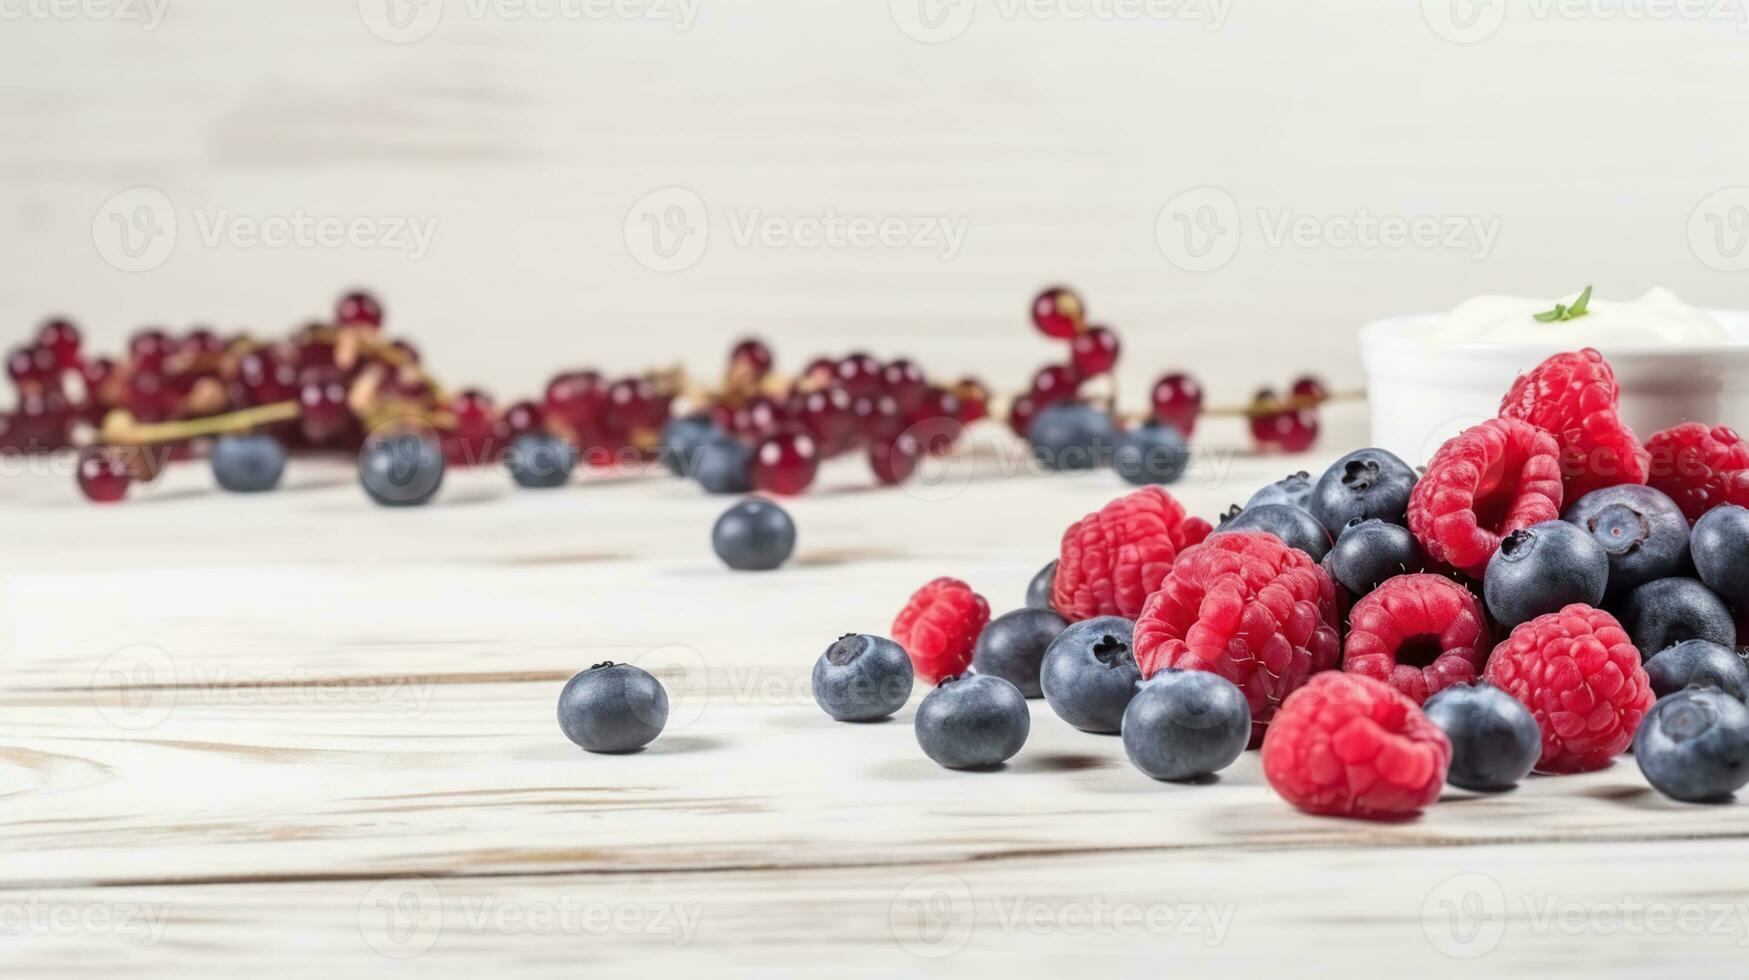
(1112, 558)
(1249, 608)
(1484, 483)
(1573, 397)
(1582, 680)
(1419, 634)
(1700, 468)
(1350, 746)
(939, 626)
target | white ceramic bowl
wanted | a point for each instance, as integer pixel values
(1424, 392)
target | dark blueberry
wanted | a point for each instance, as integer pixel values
(400, 470)
(1072, 436)
(1089, 673)
(680, 442)
(1494, 738)
(1701, 664)
(248, 464)
(1038, 591)
(1298, 528)
(754, 536)
(540, 460)
(613, 708)
(1364, 483)
(1151, 453)
(1183, 724)
(1661, 614)
(1013, 647)
(972, 722)
(1543, 568)
(1368, 552)
(723, 465)
(1694, 746)
(1721, 553)
(862, 678)
(1295, 490)
(1642, 531)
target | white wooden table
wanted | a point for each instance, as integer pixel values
(300, 735)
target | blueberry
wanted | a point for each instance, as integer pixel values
(1151, 453)
(1642, 531)
(1721, 553)
(1183, 724)
(1369, 551)
(1662, 614)
(540, 460)
(1038, 591)
(723, 465)
(1298, 528)
(754, 536)
(1494, 738)
(1542, 568)
(972, 722)
(1072, 436)
(681, 439)
(1294, 490)
(1013, 647)
(248, 464)
(1699, 663)
(1089, 673)
(613, 708)
(1364, 483)
(862, 678)
(401, 470)
(1694, 746)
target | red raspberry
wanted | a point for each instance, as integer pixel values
(1573, 397)
(939, 626)
(1350, 746)
(1484, 483)
(1700, 468)
(1112, 558)
(1249, 608)
(1581, 677)
(1417, 633)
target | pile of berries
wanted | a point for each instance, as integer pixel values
(1543, 594)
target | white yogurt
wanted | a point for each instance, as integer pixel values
(1658, 318)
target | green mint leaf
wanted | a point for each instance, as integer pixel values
(1558, 313)
(1578, 308)
(1563, 312)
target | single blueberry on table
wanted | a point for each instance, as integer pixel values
(1543, 569)
(1699, 663)
(722, 464)
(401, 470)
(1643, 532)
(1090, 674)
(1185, 724)
(862, 678)
(1295, 490)
(754, 536)
(1369, 551)
(541, 460)
(1073, 436)
(1013, 647)
(1295, 527)
(972, 722)
(1694, 746)
(248, 464)
(1720, 543)
(1151, 453)
(613, 708)
(681, 440)
(1364, 483)
(1038, 591)
(1495, 740)
(1663, 613)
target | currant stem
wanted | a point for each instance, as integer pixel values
(122, 429)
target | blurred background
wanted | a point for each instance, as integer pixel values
(1234, 185)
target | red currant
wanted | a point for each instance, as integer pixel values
(974, 400)
(103, 476)
(98, 373)
(358, 309)
(759, 417)
(1296, 430)
(200, 340)
(750, 359)
(265, 378)
(860, 374)
(61, 339)
(904, 380)
(519, 419)
(1054, 383)
(408, 351)
(324, 416)
(1177, 402)
(826, 415)
(894, 460)
(30, 365)
(877, 417)
(785, 463)
(150, 397)
(1094, 351)
(43, 421)
(1264, 411)
(936, 403)
(148, 348)
(819, 373)
(1311, 388)
(1020, 414)
(1058, 312)
(634, 403)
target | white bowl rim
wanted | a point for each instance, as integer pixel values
(1390, 331)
